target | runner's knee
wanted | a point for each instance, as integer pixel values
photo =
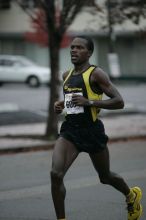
(56, 176)
(57, 184)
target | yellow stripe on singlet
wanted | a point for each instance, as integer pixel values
(91, 94)
(67, 77)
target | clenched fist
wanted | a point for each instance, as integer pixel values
(58, 107)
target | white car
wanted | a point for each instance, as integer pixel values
(18, 69)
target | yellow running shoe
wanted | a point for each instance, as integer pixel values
(133, 205)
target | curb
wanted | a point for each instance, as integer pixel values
(24, 149)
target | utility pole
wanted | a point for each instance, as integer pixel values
(111, 37)
(113, 59)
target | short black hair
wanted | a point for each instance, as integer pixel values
(90, 44)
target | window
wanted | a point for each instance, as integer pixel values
(4, 62)
(28, 3)
(126, 1)
(5, 4)
(19, 63)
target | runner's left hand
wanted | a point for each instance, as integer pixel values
(79, 100)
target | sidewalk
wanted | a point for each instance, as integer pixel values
(17, 138)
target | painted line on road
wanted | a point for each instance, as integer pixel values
(70, 184)
(9, 107)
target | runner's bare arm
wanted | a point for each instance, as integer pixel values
(115, 100)
(59, 105)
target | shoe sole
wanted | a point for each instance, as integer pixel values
(139, 192)
(140, 214)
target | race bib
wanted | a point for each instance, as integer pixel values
(70, 107)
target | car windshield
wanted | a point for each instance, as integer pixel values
(26, 62)
(16, 61)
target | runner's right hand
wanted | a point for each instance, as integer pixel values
(58, 107)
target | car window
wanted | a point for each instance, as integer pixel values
(18, 63)
(26, 62)
(1, 62)
(4, 62)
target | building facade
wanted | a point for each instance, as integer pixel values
(129, 41)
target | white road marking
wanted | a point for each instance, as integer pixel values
(9, 107)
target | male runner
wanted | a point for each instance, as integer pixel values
(83, 131)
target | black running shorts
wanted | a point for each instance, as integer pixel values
(90, 138)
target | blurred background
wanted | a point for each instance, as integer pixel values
(123, 21)
(118, 29)
(34, 52)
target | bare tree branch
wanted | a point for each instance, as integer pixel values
(127, 10)
(28, 11)
(41, 3)
(71, 9)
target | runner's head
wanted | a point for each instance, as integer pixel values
(81, 49)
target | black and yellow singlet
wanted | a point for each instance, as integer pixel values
(80, 84)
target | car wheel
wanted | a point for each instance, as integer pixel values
(33, 81)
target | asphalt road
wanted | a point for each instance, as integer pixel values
(20, 104)
(25, 185)
(37, 99)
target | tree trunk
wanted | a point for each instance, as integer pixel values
(52, 121)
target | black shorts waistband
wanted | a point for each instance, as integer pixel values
(80, 124)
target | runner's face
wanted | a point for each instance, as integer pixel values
(79, 51)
